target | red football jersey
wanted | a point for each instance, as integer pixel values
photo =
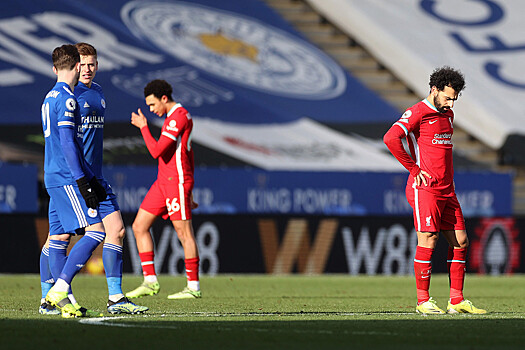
(429, 138)
(173, 149)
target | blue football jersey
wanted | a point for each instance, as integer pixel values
(59, 110)
(92, 106)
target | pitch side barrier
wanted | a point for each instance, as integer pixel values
(283, 244)
(259, 192)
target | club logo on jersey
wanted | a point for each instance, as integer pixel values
(92, 213)
(103, 103)
(71, 104)
(427, 220)
(237, 48)
(172, 126)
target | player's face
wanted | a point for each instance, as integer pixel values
(88, 69)
(444, 100)
(157, 106)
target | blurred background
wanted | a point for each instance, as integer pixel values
(290, 100)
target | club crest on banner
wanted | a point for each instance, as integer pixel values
(236, 48)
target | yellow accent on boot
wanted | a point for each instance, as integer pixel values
(429, 307)
(465, 307)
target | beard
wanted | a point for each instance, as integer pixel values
(441, 108)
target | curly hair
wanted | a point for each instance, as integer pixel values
(447, 76)
(158, 88)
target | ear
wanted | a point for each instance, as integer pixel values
(55, 70)
(434, 90)
(164, 99)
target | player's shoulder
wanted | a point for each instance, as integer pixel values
(178, 112)
(96, 87)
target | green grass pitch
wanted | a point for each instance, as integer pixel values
(271, 312)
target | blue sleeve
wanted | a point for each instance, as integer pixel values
(72, 153)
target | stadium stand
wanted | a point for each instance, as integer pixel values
(347, 49)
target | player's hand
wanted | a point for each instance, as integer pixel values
(421, 178)
(194, 205)
(87, 193)
(138, 119)
(100, 191)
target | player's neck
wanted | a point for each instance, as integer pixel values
(169, 106)
(68, 78)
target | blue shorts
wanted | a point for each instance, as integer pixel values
(68, 212)
(110, 205)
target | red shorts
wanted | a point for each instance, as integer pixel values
(434, 213)
(169, 201)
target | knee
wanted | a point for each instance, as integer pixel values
(428, 239)
(137, 227)
(463, 243)
(118, 233)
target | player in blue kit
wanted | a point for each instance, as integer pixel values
(92, 109)
(73, 189)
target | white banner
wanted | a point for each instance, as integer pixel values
(484, 39)
(299, 145)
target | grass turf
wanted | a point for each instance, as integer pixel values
(269, 312)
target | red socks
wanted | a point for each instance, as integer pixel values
(422, 271)
(192, 269)
(147, 262)
(148, 266)
(456, 270)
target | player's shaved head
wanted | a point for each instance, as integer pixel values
(65, 57)
(158, 88)
(85, 49)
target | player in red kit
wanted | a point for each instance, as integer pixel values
(428, 128)
(170, 196)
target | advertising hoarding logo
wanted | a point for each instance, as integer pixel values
(495, 248)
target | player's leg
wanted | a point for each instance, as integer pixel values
(456, 236)
(72, 215)
(180, 216)
(186, 236)
(423, 271)
(426, 221)
(46, 281)
(141, 229)
(112, 258)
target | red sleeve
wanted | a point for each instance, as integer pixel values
(392, 140)
(155, 148)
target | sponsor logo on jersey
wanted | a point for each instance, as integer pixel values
(86, 105)
(92, 212)
(172, 126)
(237, 48)
(432, 122)
(442, 139)
(71, 104)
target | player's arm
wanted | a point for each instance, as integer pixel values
(393, 140)
(155, 148)
(73, 154)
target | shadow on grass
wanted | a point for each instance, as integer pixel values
(138, 332)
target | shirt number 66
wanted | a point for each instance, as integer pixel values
(173, 207)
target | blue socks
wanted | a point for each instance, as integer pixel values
(80, 254)
(112, 258)
(57, 257)
(46, 278)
